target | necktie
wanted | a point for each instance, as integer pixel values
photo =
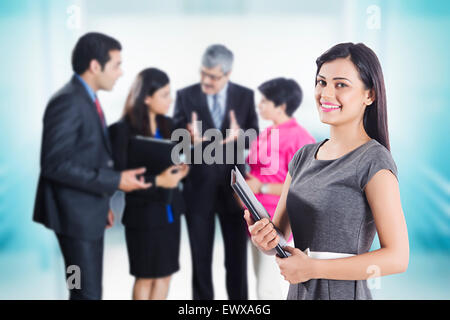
(216, 112)
(100, 113)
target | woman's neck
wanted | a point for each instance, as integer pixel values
(348, 136)
(280, 120)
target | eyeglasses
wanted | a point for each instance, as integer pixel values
(211, 76)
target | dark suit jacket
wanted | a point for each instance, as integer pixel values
(144, 209)
(203, 177)
(77, 176)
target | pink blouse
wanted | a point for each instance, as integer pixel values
(271, 153)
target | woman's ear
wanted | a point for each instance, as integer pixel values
(370, 98)
(148, 101)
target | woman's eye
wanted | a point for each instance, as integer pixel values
(321, 83)
(341, 85)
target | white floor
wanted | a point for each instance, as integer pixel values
(31, 274)
(117, 282)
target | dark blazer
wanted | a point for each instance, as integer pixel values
(144, 209)
(77, 176)
(207, 191)
(239, 99)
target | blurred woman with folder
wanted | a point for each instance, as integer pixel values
(280, 98)
(151, 217)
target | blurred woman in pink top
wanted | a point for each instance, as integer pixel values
(268, 159)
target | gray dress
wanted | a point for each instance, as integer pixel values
(328, 211)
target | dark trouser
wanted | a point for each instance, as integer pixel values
(87, 257)
(201, 237)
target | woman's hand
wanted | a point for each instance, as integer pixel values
(296, 268)
(263, 234)
(170, 177)
(254, 183)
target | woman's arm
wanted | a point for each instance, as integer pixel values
(280, 217)
(255, 185)
(275, 188)
(383, 196)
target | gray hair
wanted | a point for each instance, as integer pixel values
(218, 54)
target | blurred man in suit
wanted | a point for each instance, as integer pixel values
(217, 103)
(77, 177)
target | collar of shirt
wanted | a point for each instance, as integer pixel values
(221, 98)
(285, 125)
(288, 124)
(88, 89)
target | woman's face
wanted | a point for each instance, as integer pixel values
(268, 110)
(159, 102)
(340, 94)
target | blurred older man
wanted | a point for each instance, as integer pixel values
(218, 103)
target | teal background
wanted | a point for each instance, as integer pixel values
(412, 44)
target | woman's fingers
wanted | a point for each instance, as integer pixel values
(265, 234)
(248, 218)
(270, 236)
(250, 176)
(258, 226)
(273, 243)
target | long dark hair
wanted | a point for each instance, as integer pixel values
(369, 68)
(147, 82)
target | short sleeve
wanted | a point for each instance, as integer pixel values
(295, 161)
(373, 160)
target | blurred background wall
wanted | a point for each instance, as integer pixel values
(269, 39)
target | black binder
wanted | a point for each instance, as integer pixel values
(254, 206)
(152, 153)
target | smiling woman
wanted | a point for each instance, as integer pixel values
(339, 192)
(350, 74)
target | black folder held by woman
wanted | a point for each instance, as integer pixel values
(153, 154)
(255, 207)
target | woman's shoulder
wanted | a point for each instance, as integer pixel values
(375, 151)
(122, 127)
(308, 148)
(304, 153)
(121, 123)
(373, 159)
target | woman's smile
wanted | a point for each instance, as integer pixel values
(328, 106)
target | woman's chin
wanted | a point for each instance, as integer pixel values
(327, 120)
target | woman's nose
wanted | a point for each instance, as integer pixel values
(327, 92)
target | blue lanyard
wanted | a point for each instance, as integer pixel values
(168, 207)
(158, 134)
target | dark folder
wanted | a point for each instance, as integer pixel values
(255, 207)
(152, 153)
